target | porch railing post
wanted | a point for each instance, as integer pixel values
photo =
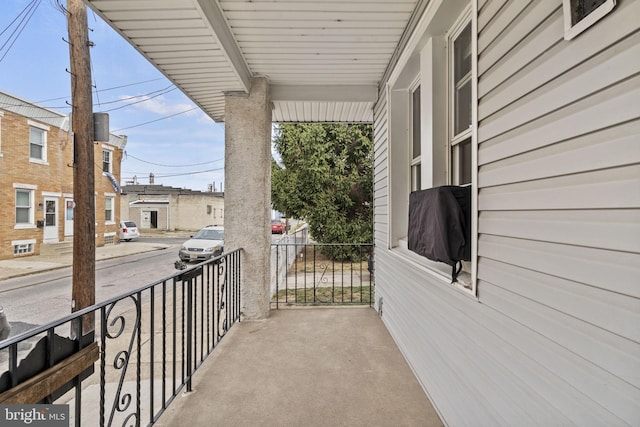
(189, 330)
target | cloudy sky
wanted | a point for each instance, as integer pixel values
(167, 134)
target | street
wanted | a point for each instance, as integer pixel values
(37, 299)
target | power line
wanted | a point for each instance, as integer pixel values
(126, 98)
(28, 12)
(108, 89)
(179, 174)
(144, 99)
(171, 166)
(156, 120)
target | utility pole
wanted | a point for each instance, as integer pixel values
(84, 229)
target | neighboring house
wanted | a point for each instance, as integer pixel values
(169, 208)
(36, 179)
(534, 104)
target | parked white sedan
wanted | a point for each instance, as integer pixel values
(205, 244)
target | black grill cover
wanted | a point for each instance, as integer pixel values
(440, 223)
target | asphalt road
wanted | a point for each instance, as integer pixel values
(37, 299)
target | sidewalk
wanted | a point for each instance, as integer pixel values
(17, 267)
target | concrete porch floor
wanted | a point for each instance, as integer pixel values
(305, 367)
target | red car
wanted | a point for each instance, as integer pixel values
(276, 227)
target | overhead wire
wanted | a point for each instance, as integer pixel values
(171, 166)
(25, 16)
(156, 120)
(28, 12)
(145, 98)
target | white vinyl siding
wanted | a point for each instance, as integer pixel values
(553, 338)
(559, 194)
(380, 175)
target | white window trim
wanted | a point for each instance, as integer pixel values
(32, 242)
(453, 139)
(45, 145)
(111, 196)
(110, 150)
(438, 269)
(414, 161)
(396, 81)
(474, 148)
(31, 224)
(23, 242)
(50, 194)
(572, 30)
(25, 186)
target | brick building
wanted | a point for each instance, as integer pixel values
(36, 180)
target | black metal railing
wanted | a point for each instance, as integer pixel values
(322, 274)
(151, 341)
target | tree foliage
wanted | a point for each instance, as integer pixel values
(325, 177)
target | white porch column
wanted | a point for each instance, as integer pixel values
(247, 192)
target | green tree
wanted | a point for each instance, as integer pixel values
(325, 177)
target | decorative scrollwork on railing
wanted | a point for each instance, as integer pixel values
(323, 278)
(223, 327)
(122, 401)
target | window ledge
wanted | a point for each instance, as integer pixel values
(24, 226)
(39, 162)
(109, 223)
(438, 269)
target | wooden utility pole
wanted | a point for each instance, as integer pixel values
(84, 229)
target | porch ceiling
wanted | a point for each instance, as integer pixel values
(324, 59)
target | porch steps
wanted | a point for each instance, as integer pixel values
(56, 249)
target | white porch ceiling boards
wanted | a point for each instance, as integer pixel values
(324, 59)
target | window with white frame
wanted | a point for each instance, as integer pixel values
(108, 208)
(37, 144)
(430, 96)
(21, 247)
(107, 157)
(416, 146)
(582, 14)
(24, 207)
(460, 101)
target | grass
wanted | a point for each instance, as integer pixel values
(325, 295)
(307, 264)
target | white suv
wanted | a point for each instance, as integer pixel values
(205, 244)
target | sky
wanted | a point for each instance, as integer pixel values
(167, 134)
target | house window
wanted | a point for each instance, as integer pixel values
(108, 209)
(21, 247)
(460, 102)
(416, 147)
(430, 122)
(37, 144)
(106, 160)
(24, 207)
(581, 14)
